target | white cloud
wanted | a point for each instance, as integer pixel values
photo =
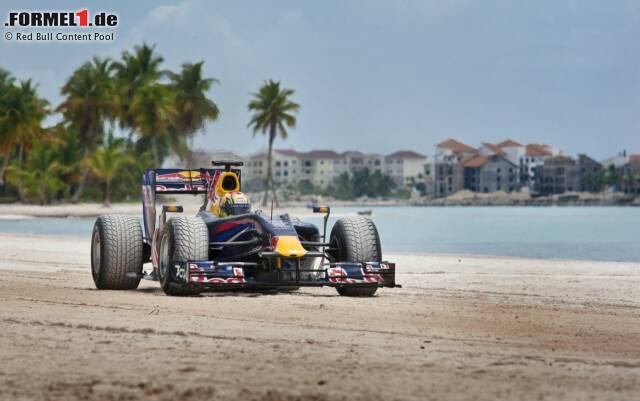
(292, 17)
(192, 29)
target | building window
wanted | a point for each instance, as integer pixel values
(286, 163)
(321, 161)
(278, 163)
(286, 173)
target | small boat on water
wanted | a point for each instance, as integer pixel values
(365, 212)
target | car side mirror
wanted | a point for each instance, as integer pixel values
(321, 209)
(326, 210)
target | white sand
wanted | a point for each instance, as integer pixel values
(460, 328)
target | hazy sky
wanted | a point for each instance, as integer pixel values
(385, 75)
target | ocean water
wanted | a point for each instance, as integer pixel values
(585, 233)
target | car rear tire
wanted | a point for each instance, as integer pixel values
(182, 239)
(355, 239)
(116, 252)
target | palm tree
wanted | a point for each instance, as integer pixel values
(272, 115)
(70, 154)
(6, 82)
(153, 111)
(90, 102)
(146, 106)
(6, 79)
(21, 115)
(192, 107)
(133, 73)
(40, 178)
(107, 162)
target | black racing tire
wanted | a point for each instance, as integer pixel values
(355, 239)
(182, 239)
(116, 252)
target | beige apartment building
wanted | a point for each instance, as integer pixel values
(406, 167)
(322, 167)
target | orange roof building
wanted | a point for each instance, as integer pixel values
(535, 149)
(475, 161)
(456, 146)
(509, 143)
(497, 149)
(406, 154)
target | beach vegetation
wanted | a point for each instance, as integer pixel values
(117, 118)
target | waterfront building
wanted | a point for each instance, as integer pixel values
(449, 174)
(490, 173)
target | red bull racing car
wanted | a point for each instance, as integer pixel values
(227, 245)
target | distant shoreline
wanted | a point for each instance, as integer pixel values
(299, 208)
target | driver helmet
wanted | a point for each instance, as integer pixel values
(234, 203)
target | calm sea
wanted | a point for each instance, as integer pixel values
(587, 233)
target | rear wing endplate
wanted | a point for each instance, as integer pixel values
(169, 181)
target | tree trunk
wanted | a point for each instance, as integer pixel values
(5, 164)
(190, 159)
(154, 148)
(273, 192)
(268, 179)
(75, 198)
(107, 193)
(21, 194)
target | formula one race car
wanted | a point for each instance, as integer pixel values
(227, 245)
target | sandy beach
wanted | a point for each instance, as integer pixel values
(18, 210)
(460, 328)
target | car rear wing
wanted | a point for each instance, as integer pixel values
(179, 181)
(174, 181)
